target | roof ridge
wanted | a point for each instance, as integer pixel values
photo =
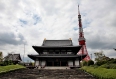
(63, 42)
(58, 40)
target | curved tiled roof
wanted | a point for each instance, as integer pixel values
(57, 43)
(63, 56)
(13, 57)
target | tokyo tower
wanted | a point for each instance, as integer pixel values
(81, 39)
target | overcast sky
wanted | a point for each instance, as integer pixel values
(30, 21)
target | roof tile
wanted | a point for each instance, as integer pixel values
(57, 43)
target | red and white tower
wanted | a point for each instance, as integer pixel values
(81, 39)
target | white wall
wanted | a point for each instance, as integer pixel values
(77, 63)
(70, 63)
(43, 63)
(36, 62)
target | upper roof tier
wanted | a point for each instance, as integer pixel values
(67, 42)
(59, 45)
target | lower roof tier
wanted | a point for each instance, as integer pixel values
(39, 57)
(40, 49)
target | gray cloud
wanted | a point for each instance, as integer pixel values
(10, 38)
(98, 44)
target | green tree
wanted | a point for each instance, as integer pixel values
(1, 56)
(90, 62)
(84, 63)
(100, 58)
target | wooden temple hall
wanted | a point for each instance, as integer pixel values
(57, 53)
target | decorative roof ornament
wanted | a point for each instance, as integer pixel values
(70, 39)
(44, 38)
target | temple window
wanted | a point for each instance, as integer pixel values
(57, 51)
(69, 52)
(51, 52)
(45, 52)
(63, 52)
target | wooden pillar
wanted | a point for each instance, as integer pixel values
(73, 63)
(67, 63)
(60, 63)
(79, 63)
(52, 63)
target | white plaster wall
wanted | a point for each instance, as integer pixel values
(77, 63)
(43, 63)
(70, 63)
(37, 63)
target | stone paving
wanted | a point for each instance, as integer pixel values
(46, 74)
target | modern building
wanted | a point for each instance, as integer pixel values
(57, 53)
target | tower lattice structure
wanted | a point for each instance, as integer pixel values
(81, 39)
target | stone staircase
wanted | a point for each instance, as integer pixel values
(64, 74)
(46, 74)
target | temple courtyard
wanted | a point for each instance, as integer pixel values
(46, 74)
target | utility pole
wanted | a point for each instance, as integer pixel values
(24, 52)
(91, 56)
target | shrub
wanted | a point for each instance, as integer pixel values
(84, 63)
(5, 63)
(90, 62)
(99, 63)
(109, 66)
(1, 63)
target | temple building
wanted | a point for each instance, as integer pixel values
(57, 53)
(15, 58)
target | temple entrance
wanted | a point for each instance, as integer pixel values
(56, 63)
(49, 64)
(64, 64)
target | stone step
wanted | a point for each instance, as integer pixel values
(65, 67)
(47, 74)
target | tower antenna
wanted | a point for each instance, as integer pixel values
(78, 10)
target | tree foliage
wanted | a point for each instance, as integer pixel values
(5, 63)
(84, 63)
(99, 56)
(90, 62)
(1, 56)
(102, 59)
